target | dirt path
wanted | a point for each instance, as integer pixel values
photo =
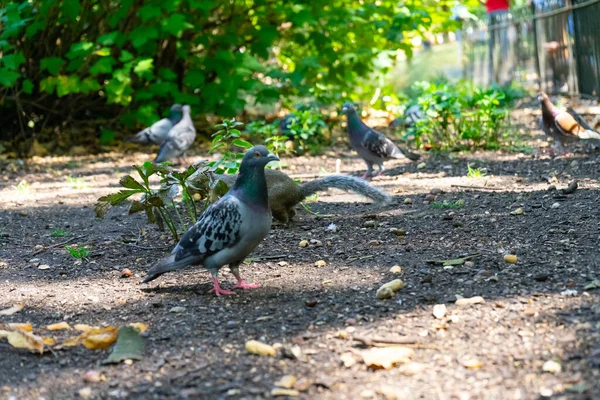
(535, 311)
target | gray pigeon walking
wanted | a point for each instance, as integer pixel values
(157, 133)
(180, 138)
(230, 229)
(372, 146)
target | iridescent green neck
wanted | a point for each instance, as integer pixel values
(251, 186)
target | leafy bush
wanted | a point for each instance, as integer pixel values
(307, 129)
(123, 61)
(270, 134)
(461, 115)
(229, 161)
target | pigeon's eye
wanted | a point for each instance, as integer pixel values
(256, 154)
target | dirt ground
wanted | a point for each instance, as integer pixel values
(534, 311)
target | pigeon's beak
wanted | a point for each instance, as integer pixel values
(272, 157)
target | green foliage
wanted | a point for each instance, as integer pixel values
(447, 205)
(225, 138)
(59, 233)
(77, 183)
(78, 252)
(274, 141)
(214, 55)
(23, 187)
(461, 115)
(308, 130)
(475, 172)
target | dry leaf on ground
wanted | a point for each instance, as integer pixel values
(27, 327)
(22, 339)
(13, 309)
(93, 339)
(386, 357)
(59, 326)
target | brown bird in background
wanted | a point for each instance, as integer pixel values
(562, 126)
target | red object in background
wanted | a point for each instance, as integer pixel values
(496, 5)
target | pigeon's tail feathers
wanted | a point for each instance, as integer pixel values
(348, 183)
(589, 134)
(140, 137)
(165, 153)
(169, 264)
(399, 152)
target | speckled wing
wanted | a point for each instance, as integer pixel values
(378, 144)
(218, 228)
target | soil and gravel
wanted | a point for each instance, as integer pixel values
(534, 311)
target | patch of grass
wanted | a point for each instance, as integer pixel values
(59, 233)
(78, 253)
(23, 187)
(445, 205)
(77, 183)
(475, 172)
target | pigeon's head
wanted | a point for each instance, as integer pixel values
(348, 108)
(176, 108)
(257, 156)
(542, 96)
(186, 109)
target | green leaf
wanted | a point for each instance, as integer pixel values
(103, 66)
(13, 61)
(79, 50)
(27, 86)
(130, 346)
(52, 64)
(144, 68)
(242, 143)
(176, 24)
(8, 78)
(71, 9)
(108, 38)
(137, 206)
(148, 12)
(140, 35)
(128, 182)
(125, 56)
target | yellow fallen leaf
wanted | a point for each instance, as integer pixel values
(59, 326)
(27, 327)
(386, 357)
(82, 327)
(262, 349)
(23, 339)
(48, 341)
(99, 338)
(13, 309)
(93, 339)
(140, 326)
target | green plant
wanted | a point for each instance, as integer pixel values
(59, 233)
(308, 130)
(227, 136)
(79, 253)
(461, 116)
(77, 183)
(475, 172)
(445, 205)
(274, 141)
(23, 187)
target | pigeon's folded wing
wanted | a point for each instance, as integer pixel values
(567, 124)
(218, 228)
(378, 144)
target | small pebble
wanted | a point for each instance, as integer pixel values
(408, 200)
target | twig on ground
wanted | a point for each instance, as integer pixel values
(476, 187)
(55, 245)
(382, 342)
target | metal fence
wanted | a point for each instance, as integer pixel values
(552, 44)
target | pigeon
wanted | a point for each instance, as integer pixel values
(180, 138)
(372, 146)
(411, 116)
(563, 127)
(157, 133)
(230, 229)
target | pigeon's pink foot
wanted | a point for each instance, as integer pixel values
(243, 285)
(218, 291)
(366, 176)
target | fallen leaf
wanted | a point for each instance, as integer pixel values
(140, 326)
(472, 363)
(286, 381)
(48, 341)
(59, 326)
(259, 348)
(454, 261)
(13, 309)
(386, 357)
(82, 327)
(22, 339)
(130, 346)
(27, 327)
(439, 311)
(284, 392)
(93, 338)
(595, 284)
(469, 301)
(552, 367)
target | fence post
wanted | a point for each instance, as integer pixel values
(535, 47)
(570, 48)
